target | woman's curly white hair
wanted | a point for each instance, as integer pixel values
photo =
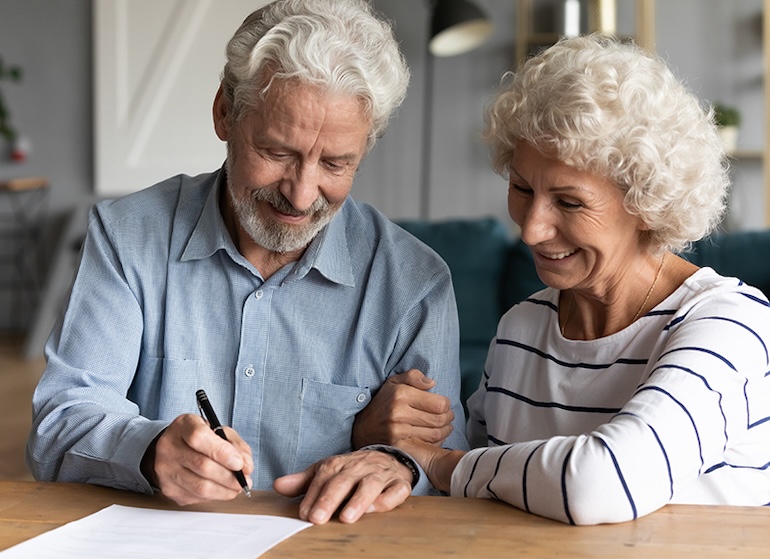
(614, 109)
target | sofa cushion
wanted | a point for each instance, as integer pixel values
(472, 359)
(520, 279)
(741, 254)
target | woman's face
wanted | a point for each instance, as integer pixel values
(574, 222)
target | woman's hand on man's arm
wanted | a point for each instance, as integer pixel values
(403, 408)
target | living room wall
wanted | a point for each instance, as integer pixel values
(51, 106)
(711, 43)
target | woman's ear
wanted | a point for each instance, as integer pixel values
(220, 113)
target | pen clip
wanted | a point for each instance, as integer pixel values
(200, 411)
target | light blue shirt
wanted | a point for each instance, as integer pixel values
(164, 304)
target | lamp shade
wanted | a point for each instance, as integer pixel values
(457, 26)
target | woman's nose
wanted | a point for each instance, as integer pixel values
(537, 224)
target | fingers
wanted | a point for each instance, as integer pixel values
(399, 410)
(293, 485)
(193, 464)
(366, 481)
(390, 498)
(431, 435)
(411, 389)
(242, 448)
(403, 429)
(414, 378)
(371, 497)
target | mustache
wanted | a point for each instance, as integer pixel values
(282, 204)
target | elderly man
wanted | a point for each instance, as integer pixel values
(263, 284)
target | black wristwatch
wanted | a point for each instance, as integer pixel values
(402, 458)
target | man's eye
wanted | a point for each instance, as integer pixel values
(520, 189)
(334, 166)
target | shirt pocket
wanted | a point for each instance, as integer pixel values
(327, 413)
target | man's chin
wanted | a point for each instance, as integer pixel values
(278, 235)
(284, 238)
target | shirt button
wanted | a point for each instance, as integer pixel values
(258, 294)
(361, 398)
(249, 371)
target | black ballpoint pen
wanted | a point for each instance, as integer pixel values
(208, 412)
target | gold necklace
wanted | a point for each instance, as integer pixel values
(652, 288)
(568, 314)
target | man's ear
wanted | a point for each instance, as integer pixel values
(220, 113)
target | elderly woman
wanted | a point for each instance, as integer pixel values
(635, 379)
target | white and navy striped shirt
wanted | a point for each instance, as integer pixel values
(673, 408)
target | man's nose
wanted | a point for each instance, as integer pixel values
(302, 188)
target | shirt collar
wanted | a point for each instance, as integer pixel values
(328, 253)
(210, 233)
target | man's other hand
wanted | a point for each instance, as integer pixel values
(365, 481)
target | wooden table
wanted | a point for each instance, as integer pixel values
(426, 527)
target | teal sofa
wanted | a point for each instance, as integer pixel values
(492, 271)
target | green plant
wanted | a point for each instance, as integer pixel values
(725, 115)
(10, 73)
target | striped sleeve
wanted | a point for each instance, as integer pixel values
(696, 429)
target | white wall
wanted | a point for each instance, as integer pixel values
(156, 70)
(154, 83)
(716, 47)
(462, 183)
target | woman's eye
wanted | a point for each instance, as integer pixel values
(570, 204)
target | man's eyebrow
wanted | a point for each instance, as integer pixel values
(349, 157)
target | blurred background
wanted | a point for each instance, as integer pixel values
(109, 96)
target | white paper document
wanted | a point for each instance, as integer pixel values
(129, 532)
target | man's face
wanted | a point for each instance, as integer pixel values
(291, 162)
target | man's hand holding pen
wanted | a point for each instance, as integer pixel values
(193, 465)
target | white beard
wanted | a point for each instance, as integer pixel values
(273, 235)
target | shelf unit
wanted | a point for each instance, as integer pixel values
(23, 211)
(529, 37)
(766, 148)
(747, 154)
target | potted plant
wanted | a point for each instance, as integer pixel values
(728, 119)
(7, 131)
